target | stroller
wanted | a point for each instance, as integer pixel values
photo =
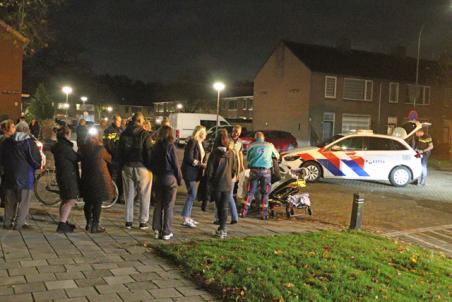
(287, 193)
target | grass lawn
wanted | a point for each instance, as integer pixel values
(320, 266)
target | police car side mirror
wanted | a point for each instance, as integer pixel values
(336, 148)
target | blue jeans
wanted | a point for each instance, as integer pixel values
(259, 179)
(191, 197)
(424, 162)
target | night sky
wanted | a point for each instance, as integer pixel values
(164, 40)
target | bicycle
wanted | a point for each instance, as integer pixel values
(47, 191)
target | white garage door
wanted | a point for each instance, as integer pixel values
(355, 122)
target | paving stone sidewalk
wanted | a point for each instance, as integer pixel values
(119, 265)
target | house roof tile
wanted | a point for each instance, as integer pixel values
(362, 63)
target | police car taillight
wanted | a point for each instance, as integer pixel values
(177, 134)
(417, 155)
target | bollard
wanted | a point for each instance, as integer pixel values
(358, 203)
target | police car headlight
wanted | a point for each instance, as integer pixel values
(291, 158)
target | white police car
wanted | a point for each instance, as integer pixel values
(362, 155)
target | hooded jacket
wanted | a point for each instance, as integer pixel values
(221, 169)
(135, 147)
(20, 158)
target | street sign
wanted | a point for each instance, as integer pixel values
(413, 115)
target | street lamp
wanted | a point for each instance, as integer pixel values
(67, 90)
(218, 86)
(109, 109)
(83, 99)
(179, 107)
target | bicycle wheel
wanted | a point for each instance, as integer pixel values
(46, 188)
(109, 204)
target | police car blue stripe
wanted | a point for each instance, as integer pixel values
(355, 167)
(330, 167)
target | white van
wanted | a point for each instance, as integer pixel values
(185, 123)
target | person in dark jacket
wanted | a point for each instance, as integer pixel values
(111, 143)
(221, 169)
(96, 182)
(82, 132)
(7, 129)
(20, 158)
(193, 166)
(35, 129)
(167, 178)
(67, 176)
(135, 148)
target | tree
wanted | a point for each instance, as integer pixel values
(41, 105)
(31, 18)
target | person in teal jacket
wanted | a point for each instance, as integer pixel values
(259, 158)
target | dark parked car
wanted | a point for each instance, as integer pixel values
(282, 140)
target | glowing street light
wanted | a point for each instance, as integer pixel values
(179, 106)
(67, 90)
(218, 86)
(83, 99)
(109, 109)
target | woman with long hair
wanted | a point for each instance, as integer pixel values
(67, 175)
(221, 169)
(167, 178)
(193, 167)
(97, 185)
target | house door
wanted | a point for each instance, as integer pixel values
(328, 125)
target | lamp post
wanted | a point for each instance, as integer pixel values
(83, 99)
(179, 107)
(218, 86)
(109, 109)
(417, 64)
(67, 90)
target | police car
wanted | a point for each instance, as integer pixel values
(362, 155)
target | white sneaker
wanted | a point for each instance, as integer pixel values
(189, 224)
(221, 233)
(156, 234)
(194, 221)
(167, 237)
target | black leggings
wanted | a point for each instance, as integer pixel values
(222, 202)
(92, 211)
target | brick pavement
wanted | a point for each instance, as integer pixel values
(119, 265)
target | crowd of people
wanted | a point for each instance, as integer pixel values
(144, 165)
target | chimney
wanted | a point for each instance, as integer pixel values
(344, 44)
(398, 51)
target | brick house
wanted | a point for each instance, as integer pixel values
(316, 92)
(11, 55)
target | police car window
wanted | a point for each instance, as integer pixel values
(382, 144)
(378, 144)
(398, 146)
(350, 144)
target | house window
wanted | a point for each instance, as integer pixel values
(232, 105)
(358, 90)
(421, 94)
(330, 87)
(393, 92)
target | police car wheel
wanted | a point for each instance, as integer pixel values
(313, 171)
(400, 176)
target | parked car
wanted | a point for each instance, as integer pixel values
(184, 124)
(362, 155)
(283, 141)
